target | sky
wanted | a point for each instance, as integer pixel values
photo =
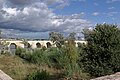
(36, 18)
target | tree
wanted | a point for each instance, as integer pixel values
(4, 45)
(102, 53)
(71, 38)
(26, 44)
(57, 38)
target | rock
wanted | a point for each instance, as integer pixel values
(4, 76)
(115, 76)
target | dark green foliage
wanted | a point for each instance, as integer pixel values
(37, 56)
(102, 53)
(62, 58)
(66, 58)
(24, 53)
(40, 57)
(39, 75)
(19, 51)
(53, 54)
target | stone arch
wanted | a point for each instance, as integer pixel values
(38, 45)
(13, 48)
(80, 44)
(27, 45)
(48, 44)
(1, 48)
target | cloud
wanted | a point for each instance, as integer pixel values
(112, 13)
(96, 13)
(54, 1)
(79, 0)
(47, 2)
(111, 1)
(19, 2)
(111, 8)
(61, 6)
(37, 17)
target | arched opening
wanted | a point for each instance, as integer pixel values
(27, 45)
(1, 48)
(13, 47)
(80, 45)
(48, 44)
(38, 45)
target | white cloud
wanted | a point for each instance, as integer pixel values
(47, 2)
(38, 17)
(111, 1)
(111, 8)
(112, 13)
(96, 13)
(79, 0)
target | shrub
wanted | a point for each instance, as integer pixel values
(67, 58)
(24, 53)
(39, 75)
(39, 56)
(19, 51)
(62, 59)
(52, 55)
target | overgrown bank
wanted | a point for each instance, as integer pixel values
(100, 56)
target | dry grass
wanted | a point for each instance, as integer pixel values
(18, 68)
(13, 66)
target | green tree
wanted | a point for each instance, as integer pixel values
(72, 36)
(4, 44)
(57, 38)
(102, 53)
(71, 48)
(26, 44)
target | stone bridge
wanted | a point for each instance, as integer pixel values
(34, 43)
(31, 44)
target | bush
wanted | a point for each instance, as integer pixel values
(24, 53)
(19, 51)
(37, 56)
(39, 75)
(67, 58)
(102, 53)
(40, 57)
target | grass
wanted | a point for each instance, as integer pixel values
(18, 68)
(14, 67)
